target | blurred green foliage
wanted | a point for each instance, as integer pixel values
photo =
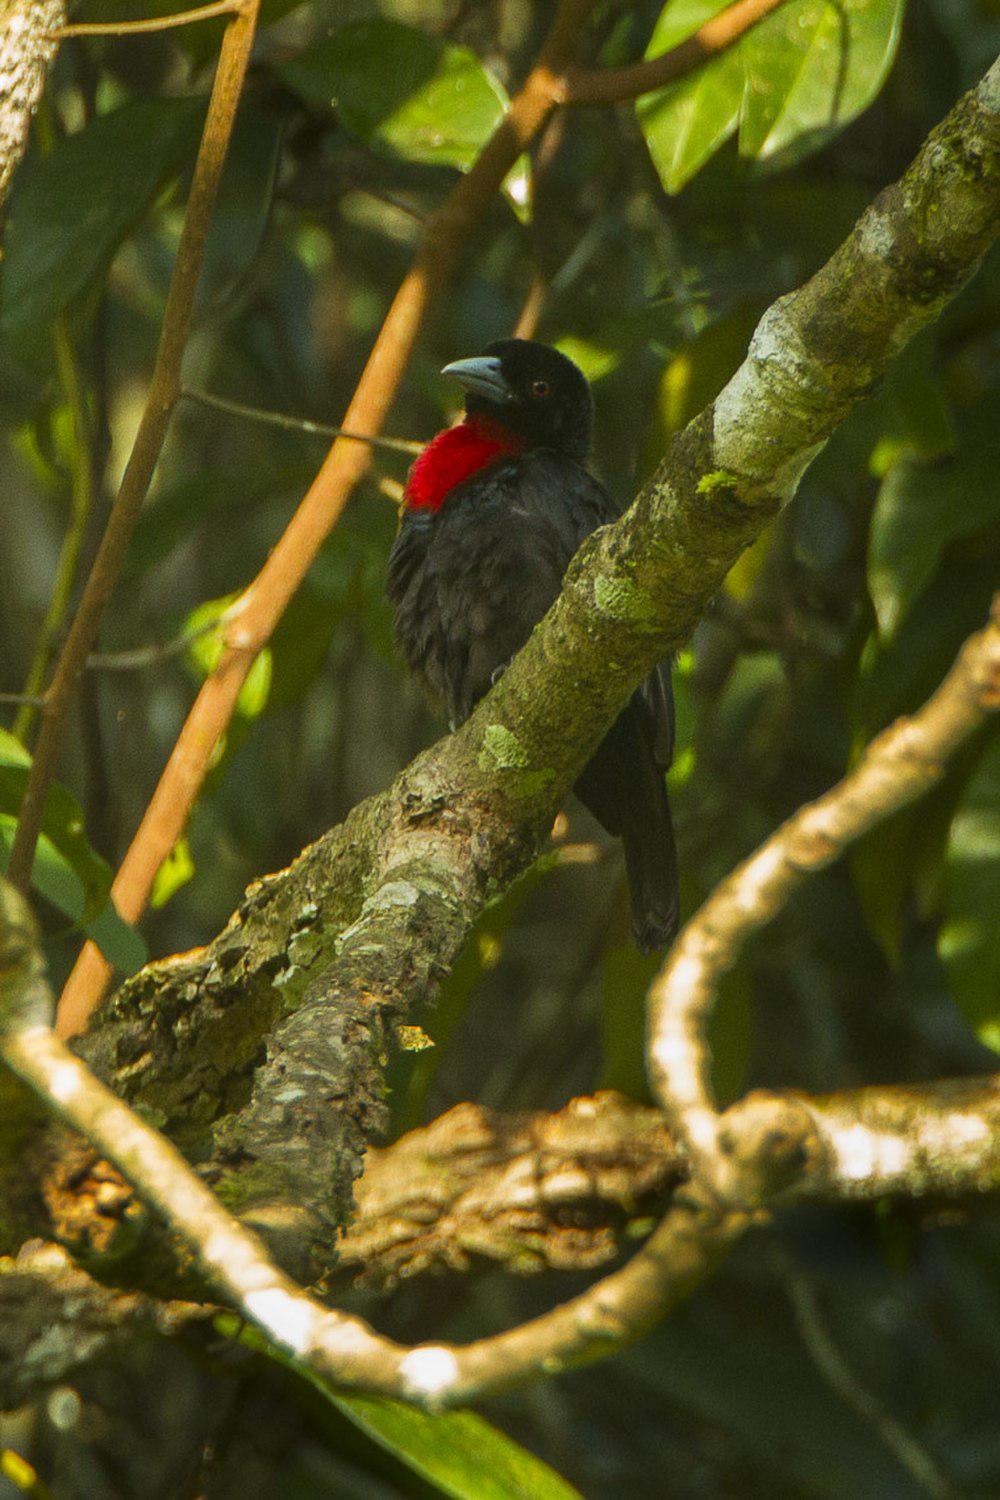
(357, 116)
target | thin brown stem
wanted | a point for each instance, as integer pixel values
(153, 23)
(618, 85)
(298, 424)
(847, 1385)
(163, 392)
(82, 485)
(141, 657)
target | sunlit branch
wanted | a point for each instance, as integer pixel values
(898, 766)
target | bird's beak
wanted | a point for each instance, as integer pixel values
(482, 375)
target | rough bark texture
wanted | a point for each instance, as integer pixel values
(26, 50)
(342, 946)
(527, 1192)
(54, 1318)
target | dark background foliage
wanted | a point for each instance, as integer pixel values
(844, 615)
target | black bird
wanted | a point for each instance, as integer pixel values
(495, 509)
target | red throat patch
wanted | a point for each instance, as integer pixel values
(454, 455)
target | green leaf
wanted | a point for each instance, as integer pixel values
(205, 653)
(811, 68)
(686, 122)
(121, 944)
(53, 877)
(921, 508)
(788, 85)
(176, 870)
(396, 87)
(969, 939)
(66, 870)
(62, 824)
(459, 1452)
(74, 207)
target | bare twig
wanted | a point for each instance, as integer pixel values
(163, 391)
(141, 657)
(898, 766)
(298, 424)
(152, 23)
(845, 1383)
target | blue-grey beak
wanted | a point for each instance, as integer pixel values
(482, 375)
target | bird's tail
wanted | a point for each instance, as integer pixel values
(624, 786)
(651, 862)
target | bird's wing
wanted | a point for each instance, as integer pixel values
(408, 553)
(657, 693)
(593, 508)
(412, 589)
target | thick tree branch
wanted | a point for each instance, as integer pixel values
(898, 766)
(334, 1345)
(359, 930)
(525, 1192)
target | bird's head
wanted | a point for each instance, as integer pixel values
(530, 390)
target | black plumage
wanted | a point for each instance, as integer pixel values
(478, 561)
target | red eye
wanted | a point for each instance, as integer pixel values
(539, 387)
